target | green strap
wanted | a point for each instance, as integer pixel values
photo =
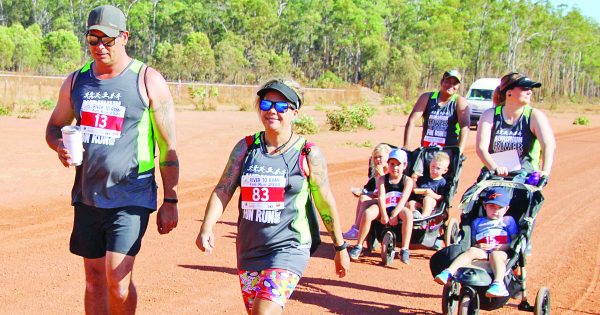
(136, 66)
(87, 67)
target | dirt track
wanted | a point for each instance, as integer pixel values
(38, 275)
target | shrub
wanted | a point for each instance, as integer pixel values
(305, 125)
(349, 119)
(47, 104)
(398, 109)
(366, 144)
(582, 121)
(203, 98)
(4, 111)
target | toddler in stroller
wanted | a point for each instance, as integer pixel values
(425, 229)
(492, 235)
(472, 285)
(394, 189)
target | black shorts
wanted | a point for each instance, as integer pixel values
(98, 230)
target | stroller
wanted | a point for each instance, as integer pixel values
(427, 231)
(466, 289)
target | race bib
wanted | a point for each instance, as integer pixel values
(102, 118)
(263, 192)
(392, 198)
(437, 129)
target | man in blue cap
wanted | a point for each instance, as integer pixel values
(491, 236)
(124, 108)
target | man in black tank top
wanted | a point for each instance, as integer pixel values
(123, 108)
(445, 114)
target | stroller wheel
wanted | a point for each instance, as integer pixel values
(469, 302)
(542, 302)
(388, 246)
(451, 232)
(450, 297)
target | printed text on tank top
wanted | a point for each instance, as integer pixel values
(509, 139)
(438, 121)
(263, 196)
(102, 114)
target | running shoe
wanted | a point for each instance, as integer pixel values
(352, 233)
(405, 256)
(356, 191)
(388, 248)
(443, 277)
(497, 289)
(355, 252)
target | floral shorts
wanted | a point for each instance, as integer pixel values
(275, 285)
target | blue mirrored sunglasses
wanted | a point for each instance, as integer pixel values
(280, 107)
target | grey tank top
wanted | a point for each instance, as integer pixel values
(118, 161)
(273, 230)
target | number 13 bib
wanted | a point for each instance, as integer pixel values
(102, 117)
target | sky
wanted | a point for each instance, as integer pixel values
(590, 8)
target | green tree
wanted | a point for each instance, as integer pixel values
(28, 42)
(230, 59)
(197, 52)
(62, 51)
(7, 48)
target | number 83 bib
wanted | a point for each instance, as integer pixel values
(263, 192)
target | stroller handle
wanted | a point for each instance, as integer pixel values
(488, 174)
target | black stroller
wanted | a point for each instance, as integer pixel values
(430, 229)
(466, 289)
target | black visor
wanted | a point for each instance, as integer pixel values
(283, 89)
(523, 82)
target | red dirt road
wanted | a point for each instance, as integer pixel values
(39, 275)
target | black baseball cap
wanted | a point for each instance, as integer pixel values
(108, 19)
(523, 81)
(282, 88)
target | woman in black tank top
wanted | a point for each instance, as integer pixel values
(274, 169)
(514, 125)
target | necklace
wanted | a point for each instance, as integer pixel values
(279, 148)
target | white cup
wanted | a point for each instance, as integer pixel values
(72, 140)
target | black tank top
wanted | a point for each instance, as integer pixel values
(440, 123)
(517, 136)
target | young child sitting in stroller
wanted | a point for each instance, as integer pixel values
(394, 191)
(492, 235)
(429, 188)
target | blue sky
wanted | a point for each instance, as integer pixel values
(590, 8)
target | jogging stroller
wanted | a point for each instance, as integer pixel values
(466, 289)
(427, 231)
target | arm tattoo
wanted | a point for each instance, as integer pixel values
(170, 163)
(165, 109)
(327, 219)
(318, 169)
(230, 177)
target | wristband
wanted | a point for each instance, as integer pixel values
(170, 200)
(341, 247)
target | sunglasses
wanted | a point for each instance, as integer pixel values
(281, 107)
(107, 41)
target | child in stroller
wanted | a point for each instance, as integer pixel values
(492, 236)
(468, 287)
(394, 190)
(423, 230)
